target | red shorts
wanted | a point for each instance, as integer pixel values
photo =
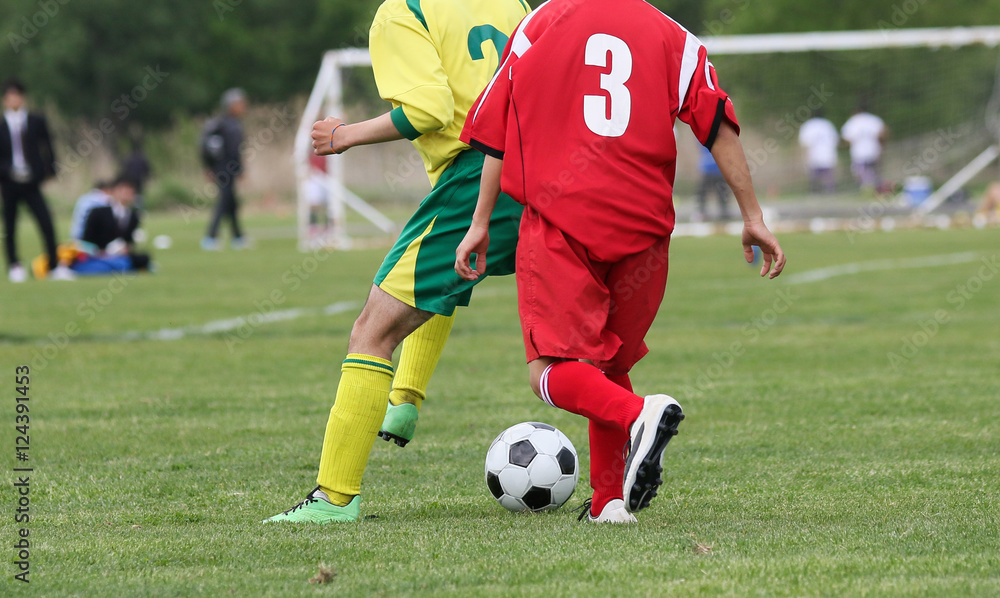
(575, 307)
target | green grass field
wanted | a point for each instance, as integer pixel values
(842, 434)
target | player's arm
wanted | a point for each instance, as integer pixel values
(477, 240)
(333, 136)
(728, 153)
(486, 131)
(709, 111)
(409, 74)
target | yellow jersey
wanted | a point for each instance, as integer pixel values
(432, 59)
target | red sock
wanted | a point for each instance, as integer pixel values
(607, 457)
(583, 389)
(607, 464)
(624, 381)
(611, 408)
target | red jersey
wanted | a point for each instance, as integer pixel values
(582, 111)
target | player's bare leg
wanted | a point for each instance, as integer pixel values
(360, 405)
(358, 409)
(384, 322)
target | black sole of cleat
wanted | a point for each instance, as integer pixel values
(648, 479)
(386, 436)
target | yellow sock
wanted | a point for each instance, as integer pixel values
(417, 360)
(353, 425)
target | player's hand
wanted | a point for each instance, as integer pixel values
(756, 233)
(476, 241)
(321, 136)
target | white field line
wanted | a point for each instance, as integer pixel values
(879, 265)
(254, 320)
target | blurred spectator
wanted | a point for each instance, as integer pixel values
(711, 182)
(820, 139)
(108, 238)
(317, 195)
(98, 196)
(136, 167)
(26, 161)
(866, 133)
(220, 150)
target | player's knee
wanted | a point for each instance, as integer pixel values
(371, 336)
(358, 336)
(534, 381)
(536, 370)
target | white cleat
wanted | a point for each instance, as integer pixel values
(16, 274)
(61, 273)
(614, 512)
(656, 425)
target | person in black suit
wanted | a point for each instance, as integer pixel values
(26, 160)
(110, 229)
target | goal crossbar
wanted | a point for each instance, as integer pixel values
(939, 37)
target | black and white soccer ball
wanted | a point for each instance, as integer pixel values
(532, 467)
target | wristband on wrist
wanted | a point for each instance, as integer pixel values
(334, 131)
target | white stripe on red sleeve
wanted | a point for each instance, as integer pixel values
(689, 63)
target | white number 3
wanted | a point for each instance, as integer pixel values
(595, 107)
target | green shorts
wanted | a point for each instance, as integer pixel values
(419, 270)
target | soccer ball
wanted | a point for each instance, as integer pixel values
(532, 467)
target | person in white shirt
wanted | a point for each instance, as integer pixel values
(820, 139)
(866, 133)
(108, 233)
(114, 219)
(27, 160)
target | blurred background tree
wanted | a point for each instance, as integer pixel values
(84, 54)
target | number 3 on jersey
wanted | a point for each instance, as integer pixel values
(596, 107)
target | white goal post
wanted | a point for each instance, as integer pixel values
(326, 99)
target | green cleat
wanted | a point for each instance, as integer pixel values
(317, 509)
(400, 423)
